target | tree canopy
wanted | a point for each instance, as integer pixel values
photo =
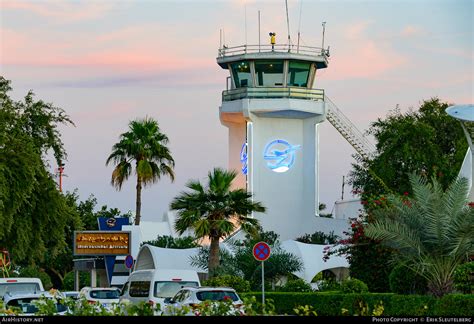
(34, 215)
(215, 211)
(433, 232)
(427, 142)
(144, 144)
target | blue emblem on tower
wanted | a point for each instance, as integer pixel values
(243, 158)
(280, 155)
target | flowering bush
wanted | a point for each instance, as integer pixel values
(363, 253)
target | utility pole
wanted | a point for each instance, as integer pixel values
(61, 171)
(343, 182)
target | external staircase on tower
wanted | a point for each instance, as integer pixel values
(348, 130)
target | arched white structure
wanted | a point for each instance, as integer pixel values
(312, 257)
(152, 257)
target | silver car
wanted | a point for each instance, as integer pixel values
(27, 303)
(189, 299)
(106, 297)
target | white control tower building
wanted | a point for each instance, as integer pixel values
(272, 109)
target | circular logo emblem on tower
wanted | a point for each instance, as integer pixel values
(280, 155)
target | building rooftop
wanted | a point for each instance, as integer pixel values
(278, 51)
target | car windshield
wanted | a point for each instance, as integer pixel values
(105, 294)
(18, 288)
(165, 289)
(216, 295)
(27, 305)
(73, 295)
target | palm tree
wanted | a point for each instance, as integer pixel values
(215, 211)
(145, 145)
(433, 232)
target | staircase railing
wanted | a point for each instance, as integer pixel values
(348, 130)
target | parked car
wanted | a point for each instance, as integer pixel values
(26, 302)
(98, 295)
(191, 297)
(71, 294)
(153, 286)
(20, 285)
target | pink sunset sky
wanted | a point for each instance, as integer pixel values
(108, 62)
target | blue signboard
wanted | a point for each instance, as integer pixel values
(280, 155)
(111, 224)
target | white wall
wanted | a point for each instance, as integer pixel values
(291, 198)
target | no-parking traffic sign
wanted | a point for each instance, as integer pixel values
(129, 261)
(261, 251)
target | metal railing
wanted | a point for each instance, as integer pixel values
(348, 130)
(273, 92)
(280, 48)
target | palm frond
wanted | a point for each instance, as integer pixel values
(395, 235)
(221, 207)
(202, 227)
(121, 173)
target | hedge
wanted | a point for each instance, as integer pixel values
(331, 304)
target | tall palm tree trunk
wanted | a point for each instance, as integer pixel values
(213, 256)
(139, 201)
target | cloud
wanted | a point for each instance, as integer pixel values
(357, 30)
(62, 11)
(195, 77)
(360, 54)
(411, 31)
(143, 47)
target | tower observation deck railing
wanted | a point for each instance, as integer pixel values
(281, 48)
(273, 92)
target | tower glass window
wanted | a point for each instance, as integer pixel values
(269, 73)
(298, 73)
(241, 73)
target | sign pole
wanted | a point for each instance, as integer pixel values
(263, 284)
(261, 252)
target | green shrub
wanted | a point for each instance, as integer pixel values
(405, 281)
(297, 285)
(35, 272)
(353, 286)
(167, 241)
(464, 278)
(238, 283)
(456, 305)
(68, 282)
(305, 311)
(331, 304)
(328, 285)
(319, 237)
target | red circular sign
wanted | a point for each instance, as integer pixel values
(261, 251)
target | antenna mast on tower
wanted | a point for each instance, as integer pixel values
(324, 28)
(288, 25)
(299, 28)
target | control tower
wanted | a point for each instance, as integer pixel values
(272, 110)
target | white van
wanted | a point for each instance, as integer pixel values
(20, 286)
(155, 285)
